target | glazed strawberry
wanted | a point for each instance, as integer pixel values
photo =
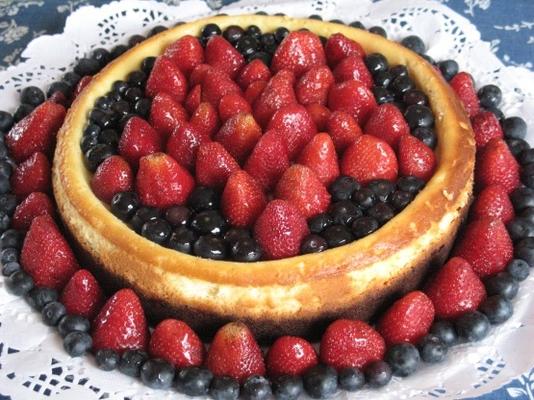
(349, 343)
(86, 80)
(299, 52)
(456, 289)
(216, 85)
(198, 74)
(35, 132)
(114, 175)
(277, 94)
(280, 229)
(387, 123)
(166, 77)
(493, 202)
(353, 68)
(256, 70)
(233, 104)
(235, 353)
(161, 182)
(214, 165)
(319, 114)
(369, 158)
(462, 84)
(166, 114)
(205, 119)
(268, 160)
(175, 342)
(343, 129)
(239, 135)
(138, 139)
(83, 295)
(486, 126)
(301, 187)
(222, 55)
(295, 125)
(496, 165)
(183, 145)
(320, 156)
(33, 175)
(354, 98)
(186, 53)
(415, 158)
(314, 85)
(242, 200)
(194, 98)
(121, 324)
(485, 245)
(254, 91)
(46, 256)
(290, 355)
(34, 205)
(338, 47)
(408, 319)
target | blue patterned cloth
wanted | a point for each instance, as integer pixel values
(507, 24)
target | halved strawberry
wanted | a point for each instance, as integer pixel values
(33, 175)
(338, 47)
(222, 55)
(415, 158)
(290, 355)
(354, 98)
(277, 94)
(114, 175)
(233, 104)
(298, 52)
(313, 85)
(493, 202)
(242, 200)
(462, 84)
(166, 77)
(214, 165)
(216, 85)
(205, 119)
(343, 129)
(186, 53)
(36, 204)
(486, 126)
(83, 295)
(166, 114)
(138, 139)
(319, 114)
(387, 123)
(320, 156)
(497, 166)
(254, 91)
(194, 98)
(239, 135)
(256, 70)
(353, 68)
(183, 145)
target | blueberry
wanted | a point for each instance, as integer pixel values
(526, 157)
(131, 362)
(378, 374)
(87, 66)
(119, 87)
(210, 246)
(262, 56)
(489, 96)
(210, 30)
(97, 154)
(527, 214)
(473, 326)
(71, 79)
(124, 205)
(403, 359)
(103, 103)
(448, 68)
(518, 269)
(136, 78)
(415, 96)
(320, 381)
(53, 312)
(8, 203)
(444, 330)
(343, 187)
(378, 30)
(22, 111)
(224, 388)
(400, 85)
(118, 51)
(142, 215)
(400, 199)
(133, 94)
(6, 121)
(527, 175)
(182, 240)
(193, 381)
(101, 56)
(514, 128)
(426, 135)
(39, 297)
(9, 255)
(107, 359)
(520, 228)
(382, 95)
(381, 212)
(178, 215)
(410, 184)
(351, 379)
(497, 308)
(248, 45)
(156, 230)
(525, 250)
(319, 223)
(203, 198)
(233, 33)
(398, 70)
(157, 374)
(357, 25)
(135, 40)
(344, 212)
(32, 95)
(376, 62)
(4, 221)
(246, 250)
(280, 34)
(256, 388)
(232, 235)
(62, 87)
(10, 268)
(365, 198)
(316, 17)
(313, 244)
(287, 387)
(209, 222)
(432, 349)
(109, 137)
(383, 78)
(11, 238)
(522, 198)
(88, 142)
(337, 235)
(419, 116)
(5, 185)
(91, 130)
(73, 323)
(147, 64)
(76, 344)
(18, 282)
(414, 43)
(502, 284)
(497, 112)
(157, 29)
(254, 31)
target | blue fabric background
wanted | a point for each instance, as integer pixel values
(507, 24)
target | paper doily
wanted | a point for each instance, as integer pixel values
(33, 363)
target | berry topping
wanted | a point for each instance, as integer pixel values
(214, 165)
(415, 158)
(320, 156)
(299, 52)
(496, 165)
(32, 175)
(242, 200)
(314, 85)
(34, 205)
(354, 98)
(254, 71)
(277, 94)
(114, 175)
(205, 119)
(183, 145)
(222, 55)
(353, 68)
(462, 84)
(486, 127)
(290, 355)
(216, 85)
(387, 123)
(138, 139)
(166, 77)
(82, 295)
(338, 47)
(239, 135)
(166, 114)
(186, 53)
(233, 104)
(493, 202)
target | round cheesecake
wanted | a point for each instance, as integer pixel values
(291, 296)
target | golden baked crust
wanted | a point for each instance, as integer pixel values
(288, 296)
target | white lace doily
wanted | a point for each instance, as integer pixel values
(33, 363)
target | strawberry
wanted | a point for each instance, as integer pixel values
(222, 55)
(354, 98)
(216, 85)
(349, 343)
(166, 114)
(35, 132)
(338, 47)
(369, 158)
(496, 165)
(198, 74)
(343, 129)
(277, 94)
(493, 202)
(214, 165)
(175, 342)
(239, 135)
(235, 353)
(298, 52)
(314, 84)
(36, 204)
(408, 319)
(415, 158)
(254, 91)
(485, 245)
(268, 160)
(86, 80)
(82, 295)
(193, 99)
(161, 182)
(59, 97)
(233, 104)
(319, 114)
(486, 126)
(242, 200)
(33, 175)
(256, 70)
(183, 145)
(138, 139)
(166, 77)
(353, 68)
(290, 355)
(121, 324)
(205, 119)
(387, 123)
(186, 53)
(280, 229)
(114, 175)
(456, 289)
(295, 125)
(320, 156)
(46, 256)
(462, 84)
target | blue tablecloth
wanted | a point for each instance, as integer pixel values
(508, 24)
